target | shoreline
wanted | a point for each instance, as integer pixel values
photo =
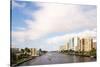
(26, 59)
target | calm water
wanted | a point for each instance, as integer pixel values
(56, 58)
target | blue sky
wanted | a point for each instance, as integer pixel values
(19, 14)
(47, 25)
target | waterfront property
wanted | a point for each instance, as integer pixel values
(84, 46)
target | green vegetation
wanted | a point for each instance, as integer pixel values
(19, 56)
(22, 55)
(91, 53)
(41, 52)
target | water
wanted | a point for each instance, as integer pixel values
(56, 58)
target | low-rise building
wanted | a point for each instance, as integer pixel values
(34, 52)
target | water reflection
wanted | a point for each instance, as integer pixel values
(56, 58)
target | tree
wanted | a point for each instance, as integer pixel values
(40, 52)
(22, 50)
(93, 52)
(27, 51)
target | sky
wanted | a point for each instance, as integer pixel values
(49, 25)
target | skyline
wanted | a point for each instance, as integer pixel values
(48, 25)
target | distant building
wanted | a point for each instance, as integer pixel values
(64, 47)
(67, 46)
(76, 43)
(86, 44)
(82, 43)
(77, 48)
(34, 52)
(94, 45)
(71, 44)
(79, 44)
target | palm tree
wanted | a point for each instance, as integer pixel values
(23, 51)
(27, 51)
(40, 52)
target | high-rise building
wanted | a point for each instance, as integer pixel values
(71, 44)
(79, 44)
(77, 48)
(67, 46)
(76, 43)
(82, 43)
(94, 45)
(88, 44)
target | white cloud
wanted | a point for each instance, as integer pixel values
(15, 4)
(52, 18)
(64, 38)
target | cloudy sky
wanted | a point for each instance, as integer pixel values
(49, 25)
